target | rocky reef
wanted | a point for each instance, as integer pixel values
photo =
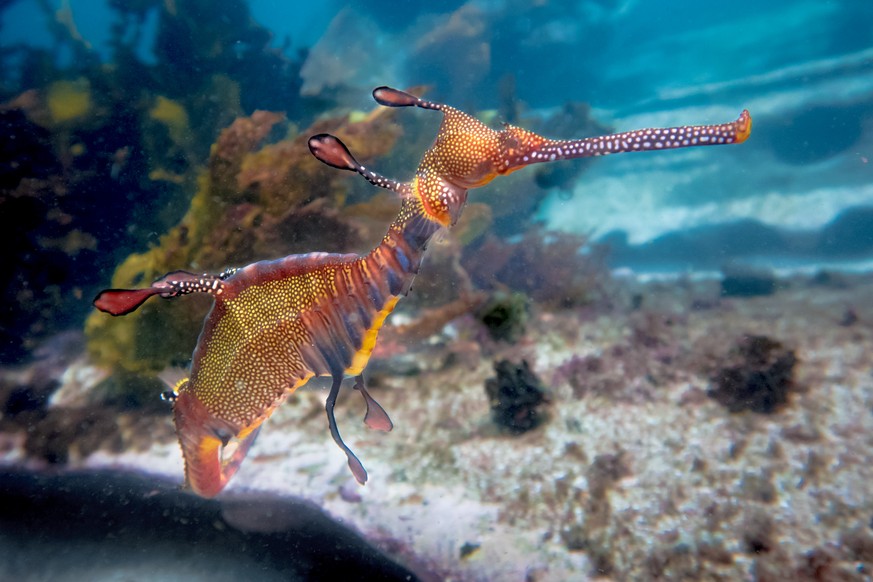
(98, 156)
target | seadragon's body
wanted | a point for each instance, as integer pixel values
(276, 324)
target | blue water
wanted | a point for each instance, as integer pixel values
(610, 54)
(25, 22)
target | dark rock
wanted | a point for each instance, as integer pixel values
(757, 376)
(468, 549)
(757, 534)
(110, 525)
(516, 395)
(745, 281)
(23, 399)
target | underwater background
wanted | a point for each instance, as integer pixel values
(648, 366)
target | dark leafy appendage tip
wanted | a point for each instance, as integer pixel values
(390, 97)
(331, 151)
(394, 98)
(122, 301)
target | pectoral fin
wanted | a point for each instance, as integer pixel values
(376, 418)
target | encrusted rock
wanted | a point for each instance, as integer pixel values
(757, 376)
(516, 396)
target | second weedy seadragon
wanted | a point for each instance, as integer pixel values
(276, 324)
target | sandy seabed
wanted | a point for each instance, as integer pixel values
(636, 473)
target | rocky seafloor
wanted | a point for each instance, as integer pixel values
(685, 435)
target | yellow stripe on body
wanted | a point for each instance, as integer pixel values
(362, 356)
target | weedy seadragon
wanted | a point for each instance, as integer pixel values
(276, 324)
